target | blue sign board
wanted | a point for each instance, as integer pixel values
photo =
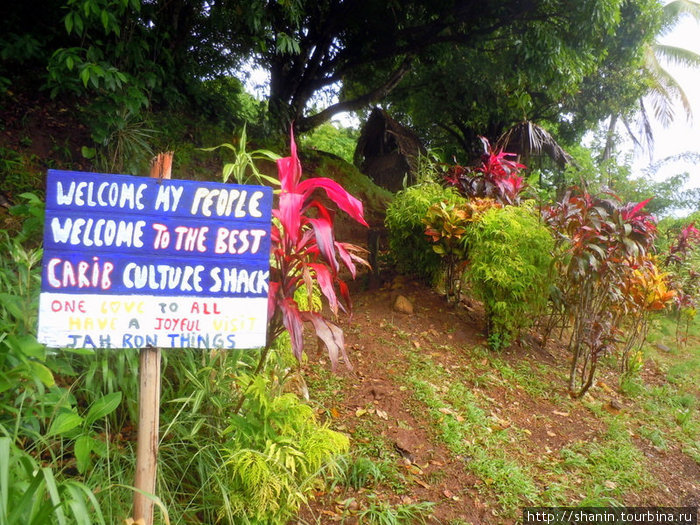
(134, 261)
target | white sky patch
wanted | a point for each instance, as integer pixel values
(681, 136)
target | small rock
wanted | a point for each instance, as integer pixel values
(662, 347)
(402, 448)
(377, 394)
(615, 404)
(403, 305)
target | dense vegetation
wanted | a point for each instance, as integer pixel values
(559, 255)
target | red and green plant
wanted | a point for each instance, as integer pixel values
(446, 226)
(602, 243)
(496, 177)
(681, 263)
(409, 247)
(306, 254)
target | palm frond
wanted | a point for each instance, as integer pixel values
(665, 89)
(674, 11)
(528, 139)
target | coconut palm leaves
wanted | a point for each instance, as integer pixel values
(664, 89)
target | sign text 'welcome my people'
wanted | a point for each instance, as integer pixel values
(132, 262)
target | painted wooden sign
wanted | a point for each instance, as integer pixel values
(131, 262)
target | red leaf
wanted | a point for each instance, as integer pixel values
(323, 228)
(289, 215)
(628, 214)
(291, 317)
(289, 168)
(272, 299)
(325, 281)
(346, 258)
(337, 194)
(331, 336)
(345, 294)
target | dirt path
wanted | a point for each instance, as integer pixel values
(482, 434)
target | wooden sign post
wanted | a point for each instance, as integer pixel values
(149, 401)
(147, 445)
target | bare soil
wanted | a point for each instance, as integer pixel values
(374, 389)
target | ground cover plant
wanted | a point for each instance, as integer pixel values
(236, 447)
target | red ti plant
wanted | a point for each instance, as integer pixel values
(306, 254)
(496, 177)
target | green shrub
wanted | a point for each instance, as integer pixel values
(510, 261)
(412, 251)
(274, 456)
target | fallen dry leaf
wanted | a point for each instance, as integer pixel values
(421, 483)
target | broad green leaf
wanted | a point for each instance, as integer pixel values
(4, 476)
(88, 153)
(13, 304)
(64, 422)
(30, 347)
(82, 449)
(85, 76)
(104, 17)
(42, 373)
(68, 21)
(103, 407)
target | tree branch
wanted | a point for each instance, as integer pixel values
(308, 123)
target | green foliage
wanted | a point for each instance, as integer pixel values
(446, 227)
(359, 472)
(124, 140)
(40, 418)
(380, 512)
(243, 168)
(32, 495)
(274, 452)
(18, 172)
(466, 430)
(109, 56)
(404, 220)
(328, 137)
(510, 263)
(611, 467)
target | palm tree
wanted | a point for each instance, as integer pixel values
(664, 90)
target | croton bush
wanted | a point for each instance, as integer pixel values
(604, 248)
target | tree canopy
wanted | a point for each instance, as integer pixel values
(455, 69)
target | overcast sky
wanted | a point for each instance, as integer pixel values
(681, 136)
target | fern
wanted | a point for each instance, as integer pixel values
(276, 451)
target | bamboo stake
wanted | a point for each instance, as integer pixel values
(149, 401)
